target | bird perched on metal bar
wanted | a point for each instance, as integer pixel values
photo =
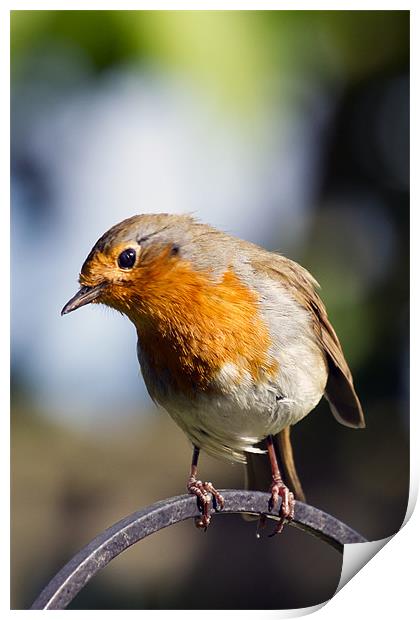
(233, 341)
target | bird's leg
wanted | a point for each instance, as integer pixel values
(279, 489)
(205, 493)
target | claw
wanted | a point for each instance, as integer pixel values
(260, 525)
(217, 498)
(205, 493)
(287, 509)
(202, 523)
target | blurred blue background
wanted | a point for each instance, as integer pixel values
(287, 128)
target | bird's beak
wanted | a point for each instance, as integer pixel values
(84, 296)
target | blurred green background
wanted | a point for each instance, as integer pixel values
(288, 128)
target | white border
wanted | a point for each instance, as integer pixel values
(386, 586)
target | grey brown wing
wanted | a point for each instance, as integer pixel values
(339, 391)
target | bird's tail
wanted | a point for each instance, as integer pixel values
(258, 472)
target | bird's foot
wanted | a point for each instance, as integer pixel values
(287, 510)
(206, 495)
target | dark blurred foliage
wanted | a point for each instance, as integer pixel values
(67, 485)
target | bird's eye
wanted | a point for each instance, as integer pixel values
(127, 258)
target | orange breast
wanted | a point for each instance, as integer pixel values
(190, 326)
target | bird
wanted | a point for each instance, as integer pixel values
(234, 342)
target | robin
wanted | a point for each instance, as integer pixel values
(233, 341)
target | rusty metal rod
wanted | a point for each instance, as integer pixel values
(72, 578)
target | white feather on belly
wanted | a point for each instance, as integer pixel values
(238, 412)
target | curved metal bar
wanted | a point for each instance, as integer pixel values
(68, 582)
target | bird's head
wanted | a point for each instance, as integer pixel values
(176, 280)
(138, 265)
